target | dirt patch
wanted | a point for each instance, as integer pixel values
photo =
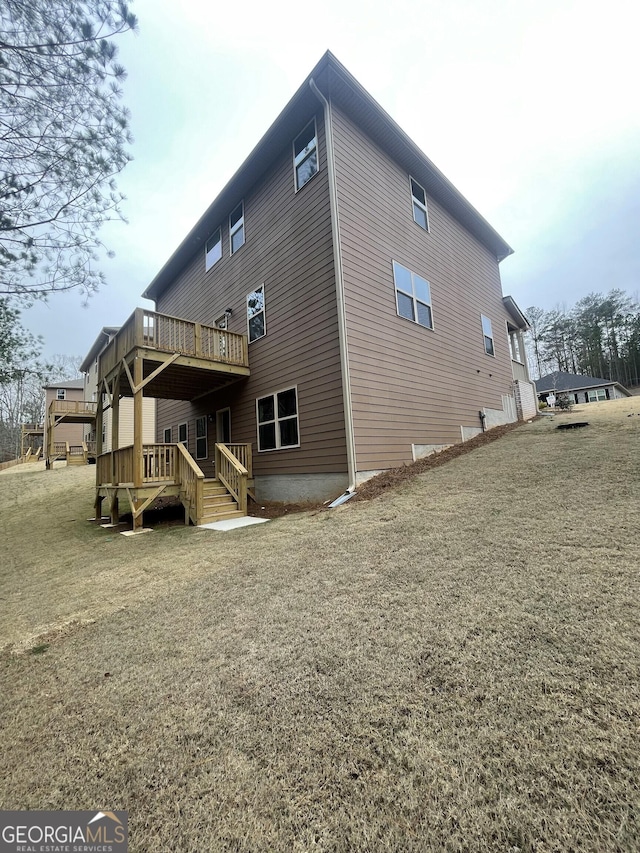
(395, 477)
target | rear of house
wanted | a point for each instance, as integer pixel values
(369, 293)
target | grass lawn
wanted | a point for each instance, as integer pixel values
(452, 666)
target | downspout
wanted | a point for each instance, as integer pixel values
(342, 319)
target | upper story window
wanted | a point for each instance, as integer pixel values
(213, 249)
(255, 314)
(278, 420)
(305, 154)
(419, 201)
(61, 394)
(488, 335)
(236, 227)
(413, 296)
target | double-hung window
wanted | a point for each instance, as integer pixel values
(236, 227)
(278, 420)
(183, 433)
(255, 314)
(305, 154)
(419, 202)
(213, 249)
(201, 437)
(61, 394)
(488, 335)
(413, 296)
(167, 435)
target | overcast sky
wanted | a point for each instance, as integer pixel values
(529, 107)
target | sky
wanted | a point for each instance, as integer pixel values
(529, 108)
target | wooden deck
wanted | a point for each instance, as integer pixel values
(68, 411)
(170, 470)
(181, 359)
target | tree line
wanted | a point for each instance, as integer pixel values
(599, 336)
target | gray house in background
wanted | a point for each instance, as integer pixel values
(349, 302)
(581, 389)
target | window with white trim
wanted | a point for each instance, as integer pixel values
(305, 155)
(413, 296)
(255, 314)
(213, 249)
(597, 395)
(278, 420)
(487, 333)
(419, 203)
(236, 227)
(201, 437)
(167, 435)
(183, 433)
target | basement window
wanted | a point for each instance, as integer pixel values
(305, 155)
(213, 249)
(419, 202)
(488, 335)
(278, 420)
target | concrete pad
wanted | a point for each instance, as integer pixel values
(110, 526)
(232, 523)
(136, 532)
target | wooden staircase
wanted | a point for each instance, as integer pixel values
(217, 503)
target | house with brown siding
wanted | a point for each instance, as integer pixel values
(364, 289)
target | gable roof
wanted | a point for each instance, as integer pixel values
(105, 335)
(69, 383)
(339, 86)
(562, 382)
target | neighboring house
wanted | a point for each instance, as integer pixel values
(347, 298)
(580, 389)
(65, 397)
(90, 369)
(524, 389)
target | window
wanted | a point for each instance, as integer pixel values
(201, 437)
(61, 394)
(213, 249)
(597, 395)
(305, 155)
(183, 433)
(236, 227)
(278, 420)
(514, 343)
(419, 201)
(255, 314)
(222, 322)
(488, 335)
(167, 435)
(413, 296)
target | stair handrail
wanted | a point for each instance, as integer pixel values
(232, 474)
(191, 480)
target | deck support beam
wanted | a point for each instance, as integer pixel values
(138, 457)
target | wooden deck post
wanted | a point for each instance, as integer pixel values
(138, 453)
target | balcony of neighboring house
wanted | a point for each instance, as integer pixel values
(157, 355)
(69, 412)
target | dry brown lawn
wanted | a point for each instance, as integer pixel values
(451, 666)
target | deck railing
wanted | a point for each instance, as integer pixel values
(232, 474)
(158, 465)
(174, 335)
(73, 407)
(60, 448)
(191, 480)
(243, 454)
